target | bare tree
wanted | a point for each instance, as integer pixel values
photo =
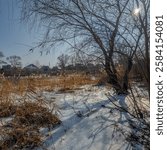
(105, 29)
(62, 62)
(15, 61)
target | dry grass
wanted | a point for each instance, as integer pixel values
(33, 113)
(23, 129)
(8, 86)
(20, 137)
(7, 108)
(27, 111)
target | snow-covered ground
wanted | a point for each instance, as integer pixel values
(89, 121)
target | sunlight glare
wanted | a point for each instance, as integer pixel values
(136, 11)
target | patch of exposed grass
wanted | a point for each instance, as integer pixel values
(20, 137)
(33, 113)
(23, 130)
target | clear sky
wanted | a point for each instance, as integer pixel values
(16, 38)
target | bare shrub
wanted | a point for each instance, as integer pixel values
(136, 113)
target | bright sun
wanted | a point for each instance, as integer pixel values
(136, 11)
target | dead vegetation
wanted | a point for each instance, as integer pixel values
(20, 137)
(33, 113)
(7, 108)
(22, 131)
(23, 114)
(28, 112)
(25, 84)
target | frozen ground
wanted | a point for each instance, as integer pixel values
(88, 121)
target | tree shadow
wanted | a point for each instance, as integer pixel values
(124, 116)
(72, 121)
(79, 119)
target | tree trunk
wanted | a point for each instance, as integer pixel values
(126, 78)
(113, 79)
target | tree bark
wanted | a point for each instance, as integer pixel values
(126, 78)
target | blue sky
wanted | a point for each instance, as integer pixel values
(16, 38)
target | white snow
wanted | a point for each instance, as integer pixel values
(88, 121)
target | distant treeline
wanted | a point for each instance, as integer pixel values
(8, 70)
